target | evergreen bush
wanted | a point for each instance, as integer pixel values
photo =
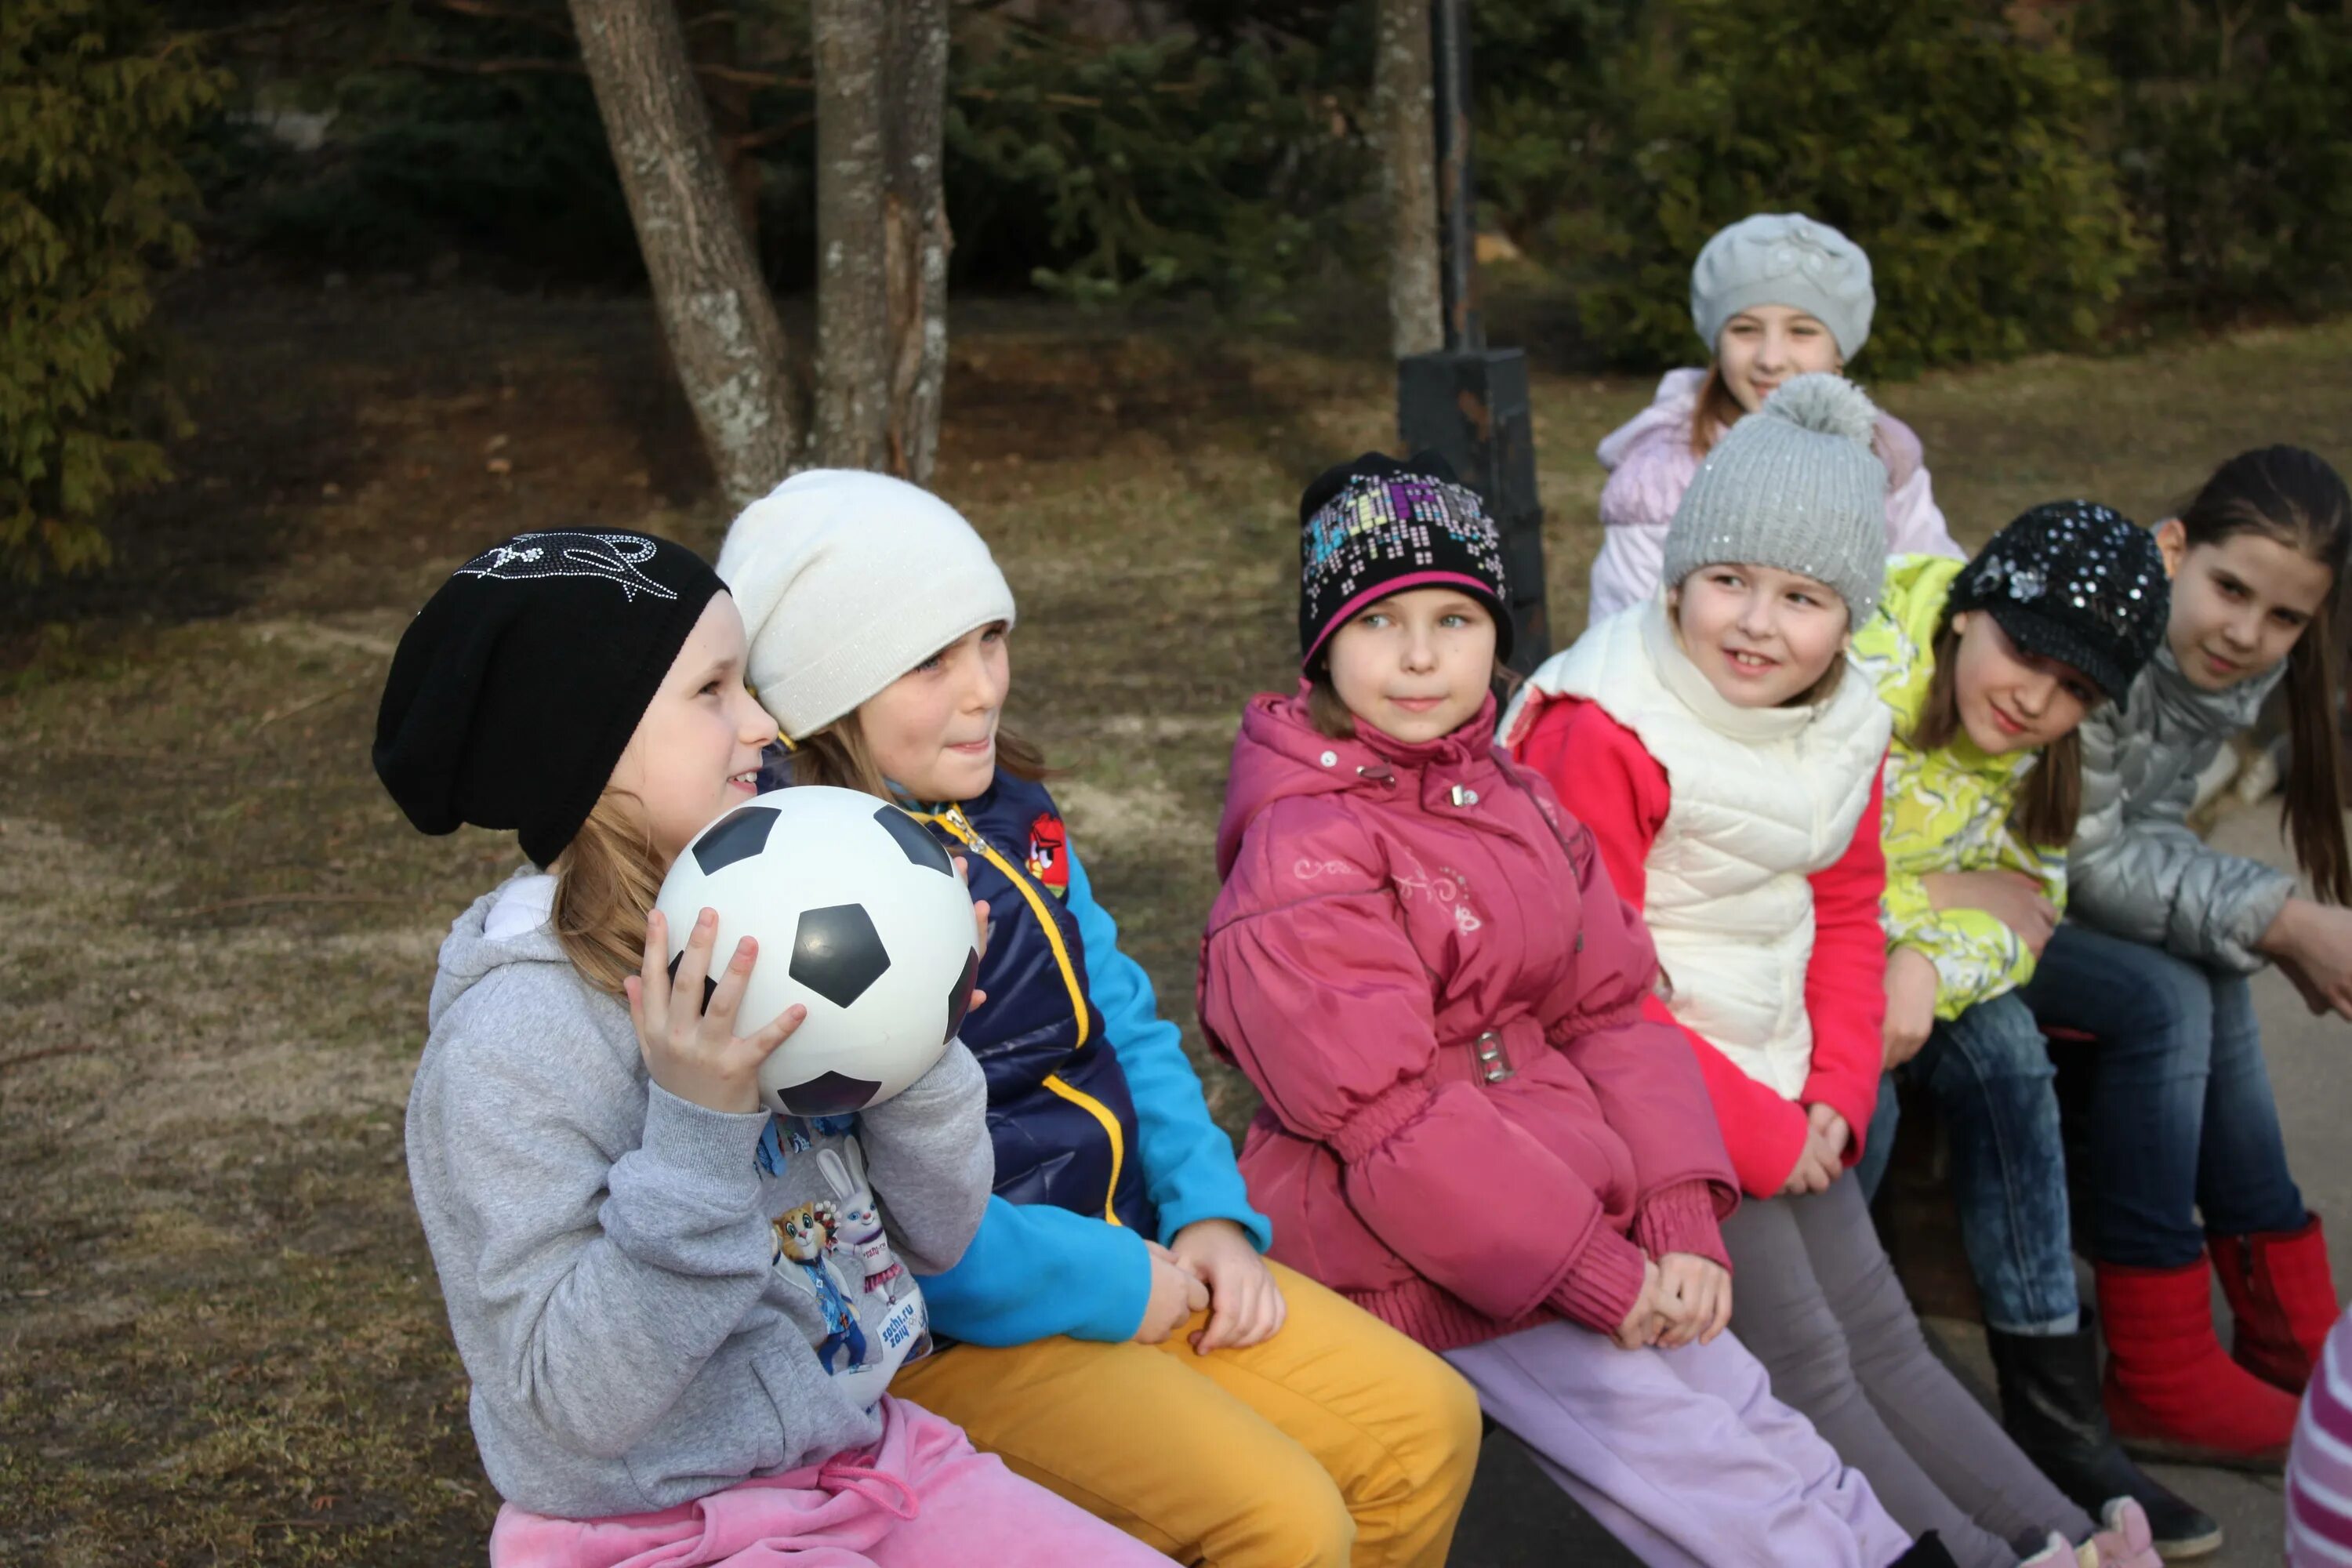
(1968, 162)
(2236, 149)
(1134, 170)
(96, 105)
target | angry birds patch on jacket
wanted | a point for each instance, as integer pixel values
(1049, 854)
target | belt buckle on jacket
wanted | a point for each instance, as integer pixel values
(1494, 1063)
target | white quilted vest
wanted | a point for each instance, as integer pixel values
(1762, 798)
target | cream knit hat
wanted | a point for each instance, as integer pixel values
(848, 580)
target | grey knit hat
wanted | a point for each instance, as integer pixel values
(1784, 258)
(1795, 486)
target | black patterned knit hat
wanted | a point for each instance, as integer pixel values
(2075, 582)
(516, 688)
(1375, 527)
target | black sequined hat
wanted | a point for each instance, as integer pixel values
(2075, 582)
(1376, 526)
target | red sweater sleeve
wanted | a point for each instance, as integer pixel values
(1608, 780)
(1845, 984)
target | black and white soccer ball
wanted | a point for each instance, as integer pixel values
(860, 918)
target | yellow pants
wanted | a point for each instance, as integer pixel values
(1336, 1441)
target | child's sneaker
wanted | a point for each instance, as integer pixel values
(2124, 1540)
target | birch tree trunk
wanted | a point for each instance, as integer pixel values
(721, 325)
(853, 298)
(915, 218)
(1403, 101)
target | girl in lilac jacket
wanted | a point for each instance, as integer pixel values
(1470, 1129)
(1773, 295)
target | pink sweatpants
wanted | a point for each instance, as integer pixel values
(923, 1498)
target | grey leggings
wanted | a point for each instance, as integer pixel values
(1814, 1297)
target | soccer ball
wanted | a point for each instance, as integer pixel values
(860, 918)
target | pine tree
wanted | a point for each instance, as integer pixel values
(96, 103)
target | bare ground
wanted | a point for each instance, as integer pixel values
(220, 1339)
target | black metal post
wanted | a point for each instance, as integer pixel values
(1457, 198)
(1468, 401)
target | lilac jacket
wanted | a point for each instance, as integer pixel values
(1650, 466)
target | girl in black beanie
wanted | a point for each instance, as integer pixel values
(633, 1252)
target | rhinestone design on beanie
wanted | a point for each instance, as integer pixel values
(1386, 530)
(2075, 582)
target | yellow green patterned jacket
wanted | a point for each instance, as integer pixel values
(1947, 810)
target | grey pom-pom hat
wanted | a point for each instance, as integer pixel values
(1784, 258)
(1796, 486)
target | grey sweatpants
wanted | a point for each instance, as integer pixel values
(1815, 1299)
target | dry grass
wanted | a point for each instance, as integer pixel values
(219, 1335)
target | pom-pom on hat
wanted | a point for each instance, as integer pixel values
(848, 580)
(516, 688)
(1796, 486)
(2075, 582)
(1784, 258)
(1375, 526)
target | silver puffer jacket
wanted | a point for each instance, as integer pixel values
(2135, 869)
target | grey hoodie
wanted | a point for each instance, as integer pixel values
(655, 1300)
(2135, 868)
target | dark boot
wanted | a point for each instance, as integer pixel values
(2049, 1401)
(2284, 1298)
(1927, 1551)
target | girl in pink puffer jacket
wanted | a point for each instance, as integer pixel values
(1773, 295)
(1469, 1129)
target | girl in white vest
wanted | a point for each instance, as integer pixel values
(1727, 762)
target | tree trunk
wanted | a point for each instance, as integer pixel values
(915, 221)
(1403, 101)
(721, 325)
(853, 299)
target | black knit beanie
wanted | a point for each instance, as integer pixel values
(516, 687)
(2074, 582)
(1376, 526)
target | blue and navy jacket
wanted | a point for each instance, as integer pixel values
(1059, 1109)
(1102, 1135)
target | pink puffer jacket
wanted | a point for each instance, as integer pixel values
(1650, 466)
(1419, 960)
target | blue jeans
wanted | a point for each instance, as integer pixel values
(1878, 1142)
(1994, 1088)
(2182, 1118)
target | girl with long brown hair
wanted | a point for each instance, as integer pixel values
(2163, 930)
